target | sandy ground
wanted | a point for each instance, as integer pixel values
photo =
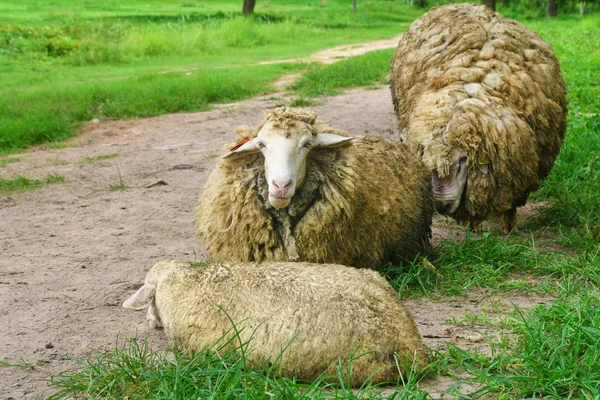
(71, 253)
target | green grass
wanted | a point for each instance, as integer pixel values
(21, 183)
(51, 114)
(8, 160)
(555, 353)
(65, 63)
(486, 259)
(577, 169)
(327, 80)
(134, 371)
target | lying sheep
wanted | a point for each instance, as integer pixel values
(485, 99)
(320, 315)
(296, 189)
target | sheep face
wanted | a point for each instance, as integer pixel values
(448, 188)
(285, 149)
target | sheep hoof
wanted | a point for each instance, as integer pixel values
(474, 226)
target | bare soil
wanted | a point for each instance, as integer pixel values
(71, 253)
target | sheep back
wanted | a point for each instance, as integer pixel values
(320, 316)
(361, 205)
(464, 77)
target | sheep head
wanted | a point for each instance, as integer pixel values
(448, 168)
(285, 139)
(146, 295)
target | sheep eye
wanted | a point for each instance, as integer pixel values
(308, 144)
(261, 145)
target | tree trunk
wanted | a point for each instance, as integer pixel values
(248, 7)
(491, 4)
(551, 10)
(354, 5)
(581, 8)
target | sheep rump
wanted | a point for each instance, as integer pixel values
(319, 315)
(464, 77)
(361, 205)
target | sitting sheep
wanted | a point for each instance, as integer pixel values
(296, 189)
(485, 99)
(311, 316)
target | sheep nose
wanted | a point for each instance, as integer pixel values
(443, 207)
(283, 185)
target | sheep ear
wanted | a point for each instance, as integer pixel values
(249, 147)
(331, 140)
(142, 298)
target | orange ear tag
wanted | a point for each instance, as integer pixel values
(237, 146)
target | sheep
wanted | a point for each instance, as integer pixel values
(305, 318)
(484, 98)
(295, 189)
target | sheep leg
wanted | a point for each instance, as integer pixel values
(153, 317)
(474, 225)
(509, 220)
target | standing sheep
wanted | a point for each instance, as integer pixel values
(310, 315)
(484, 98)
(295, 189)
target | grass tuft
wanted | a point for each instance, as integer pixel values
(21, 183)
(479, 260)
(9, 160)
(99, 157)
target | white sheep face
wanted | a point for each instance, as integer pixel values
(448, 190)
(285, 151)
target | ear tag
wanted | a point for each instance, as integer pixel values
(240, 144)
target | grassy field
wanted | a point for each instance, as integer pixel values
(64, 63)
(550, 351)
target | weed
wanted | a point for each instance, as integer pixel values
(99, 157)
(5, 161)
(121, 185)
(302, 102)
(21, 183)
(56, 162)
(24, 365)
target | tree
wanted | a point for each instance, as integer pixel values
(248, 7)
(354, 5)
(491, 4)
(551, 9)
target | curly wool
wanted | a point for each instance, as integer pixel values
(316, 315)
(466, 78)
(360, 205)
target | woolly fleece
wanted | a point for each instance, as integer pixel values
(361, 205)
(320, 316)
(464, 77)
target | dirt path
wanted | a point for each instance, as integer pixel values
(72, 252)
